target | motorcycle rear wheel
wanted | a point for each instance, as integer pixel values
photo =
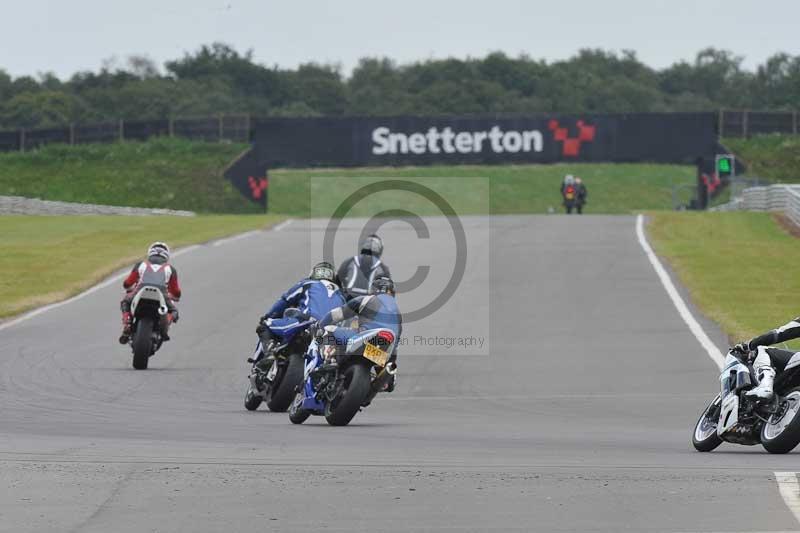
(143, 343)
(281, 392)
(355, 389)
(705, 436)
(782, 435)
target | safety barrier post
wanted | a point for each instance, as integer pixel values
(744, 123)
(22, 140)
(220, 127)
(121, 130)
(71, 134)
(721, 124)
(794, 122)
(171, 126)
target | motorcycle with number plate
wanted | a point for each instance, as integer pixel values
(276, 385)
(734, 417)
(149, 322)
(341, 380)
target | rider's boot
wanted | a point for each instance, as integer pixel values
(126, 328)
(766, 376)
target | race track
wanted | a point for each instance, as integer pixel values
(574, 415)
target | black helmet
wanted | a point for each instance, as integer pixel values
(323, 270)
(382, 284)
(372, 245)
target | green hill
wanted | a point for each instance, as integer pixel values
(166, 173)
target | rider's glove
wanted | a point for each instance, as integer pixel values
(742, 348)
(262, 326)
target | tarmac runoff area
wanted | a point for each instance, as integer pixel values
(571, 408)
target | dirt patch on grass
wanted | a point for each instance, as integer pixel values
(786, 224)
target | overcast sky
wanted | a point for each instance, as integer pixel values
(64, 36)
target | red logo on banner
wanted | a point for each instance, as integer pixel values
(572, 145)
(257, 186)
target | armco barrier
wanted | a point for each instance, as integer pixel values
(780, 198)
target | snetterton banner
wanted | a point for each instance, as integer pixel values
(395, 141)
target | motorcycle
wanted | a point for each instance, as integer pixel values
(149, 325)
(277, 385)
(570, 199)
(340, 380)
(739, 419)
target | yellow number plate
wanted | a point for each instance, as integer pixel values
(375, 354)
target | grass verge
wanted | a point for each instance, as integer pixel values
(739, 267)
(162, 172)
(47, 259)
(613, 188)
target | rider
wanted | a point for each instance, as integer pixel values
(154, 270)
(376, 310)
(313, 297)
(357, 273)
(569, 192)
(582, 194)
(769, 359)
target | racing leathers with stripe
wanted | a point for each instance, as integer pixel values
(767, 360)
(313, 298)
(357, 274)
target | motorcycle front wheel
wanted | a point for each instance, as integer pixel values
(298, 415)
(252, 399)
(143, 343)
(781, 433)
(705, 436)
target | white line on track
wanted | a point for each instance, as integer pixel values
(283, 224)
(236, 237)
(120, 275)
(683, 310)
(790, 491)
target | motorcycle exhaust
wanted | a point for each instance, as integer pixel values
(381, 380)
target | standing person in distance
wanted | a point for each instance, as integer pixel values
(582, 194)
(357, 273)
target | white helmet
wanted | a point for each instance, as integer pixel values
(569, 179)
(158, 249)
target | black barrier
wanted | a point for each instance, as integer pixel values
(9, 141)
(348, 142)
(41, 137)
(249, 177)
(97, 133)
(144, 129)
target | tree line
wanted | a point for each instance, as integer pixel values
(219, 79)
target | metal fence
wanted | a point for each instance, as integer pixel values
(749, 123)
(231, 128)
(239, 128)
(782, 198)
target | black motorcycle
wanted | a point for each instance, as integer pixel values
(275, 383)
(740, 419)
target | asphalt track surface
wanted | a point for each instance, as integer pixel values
(575, 415)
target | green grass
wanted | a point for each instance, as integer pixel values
(47, 259)
(613, 188)
(775, 158)
(740, 267)
(163, 172)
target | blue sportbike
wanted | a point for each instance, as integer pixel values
(342, 377)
